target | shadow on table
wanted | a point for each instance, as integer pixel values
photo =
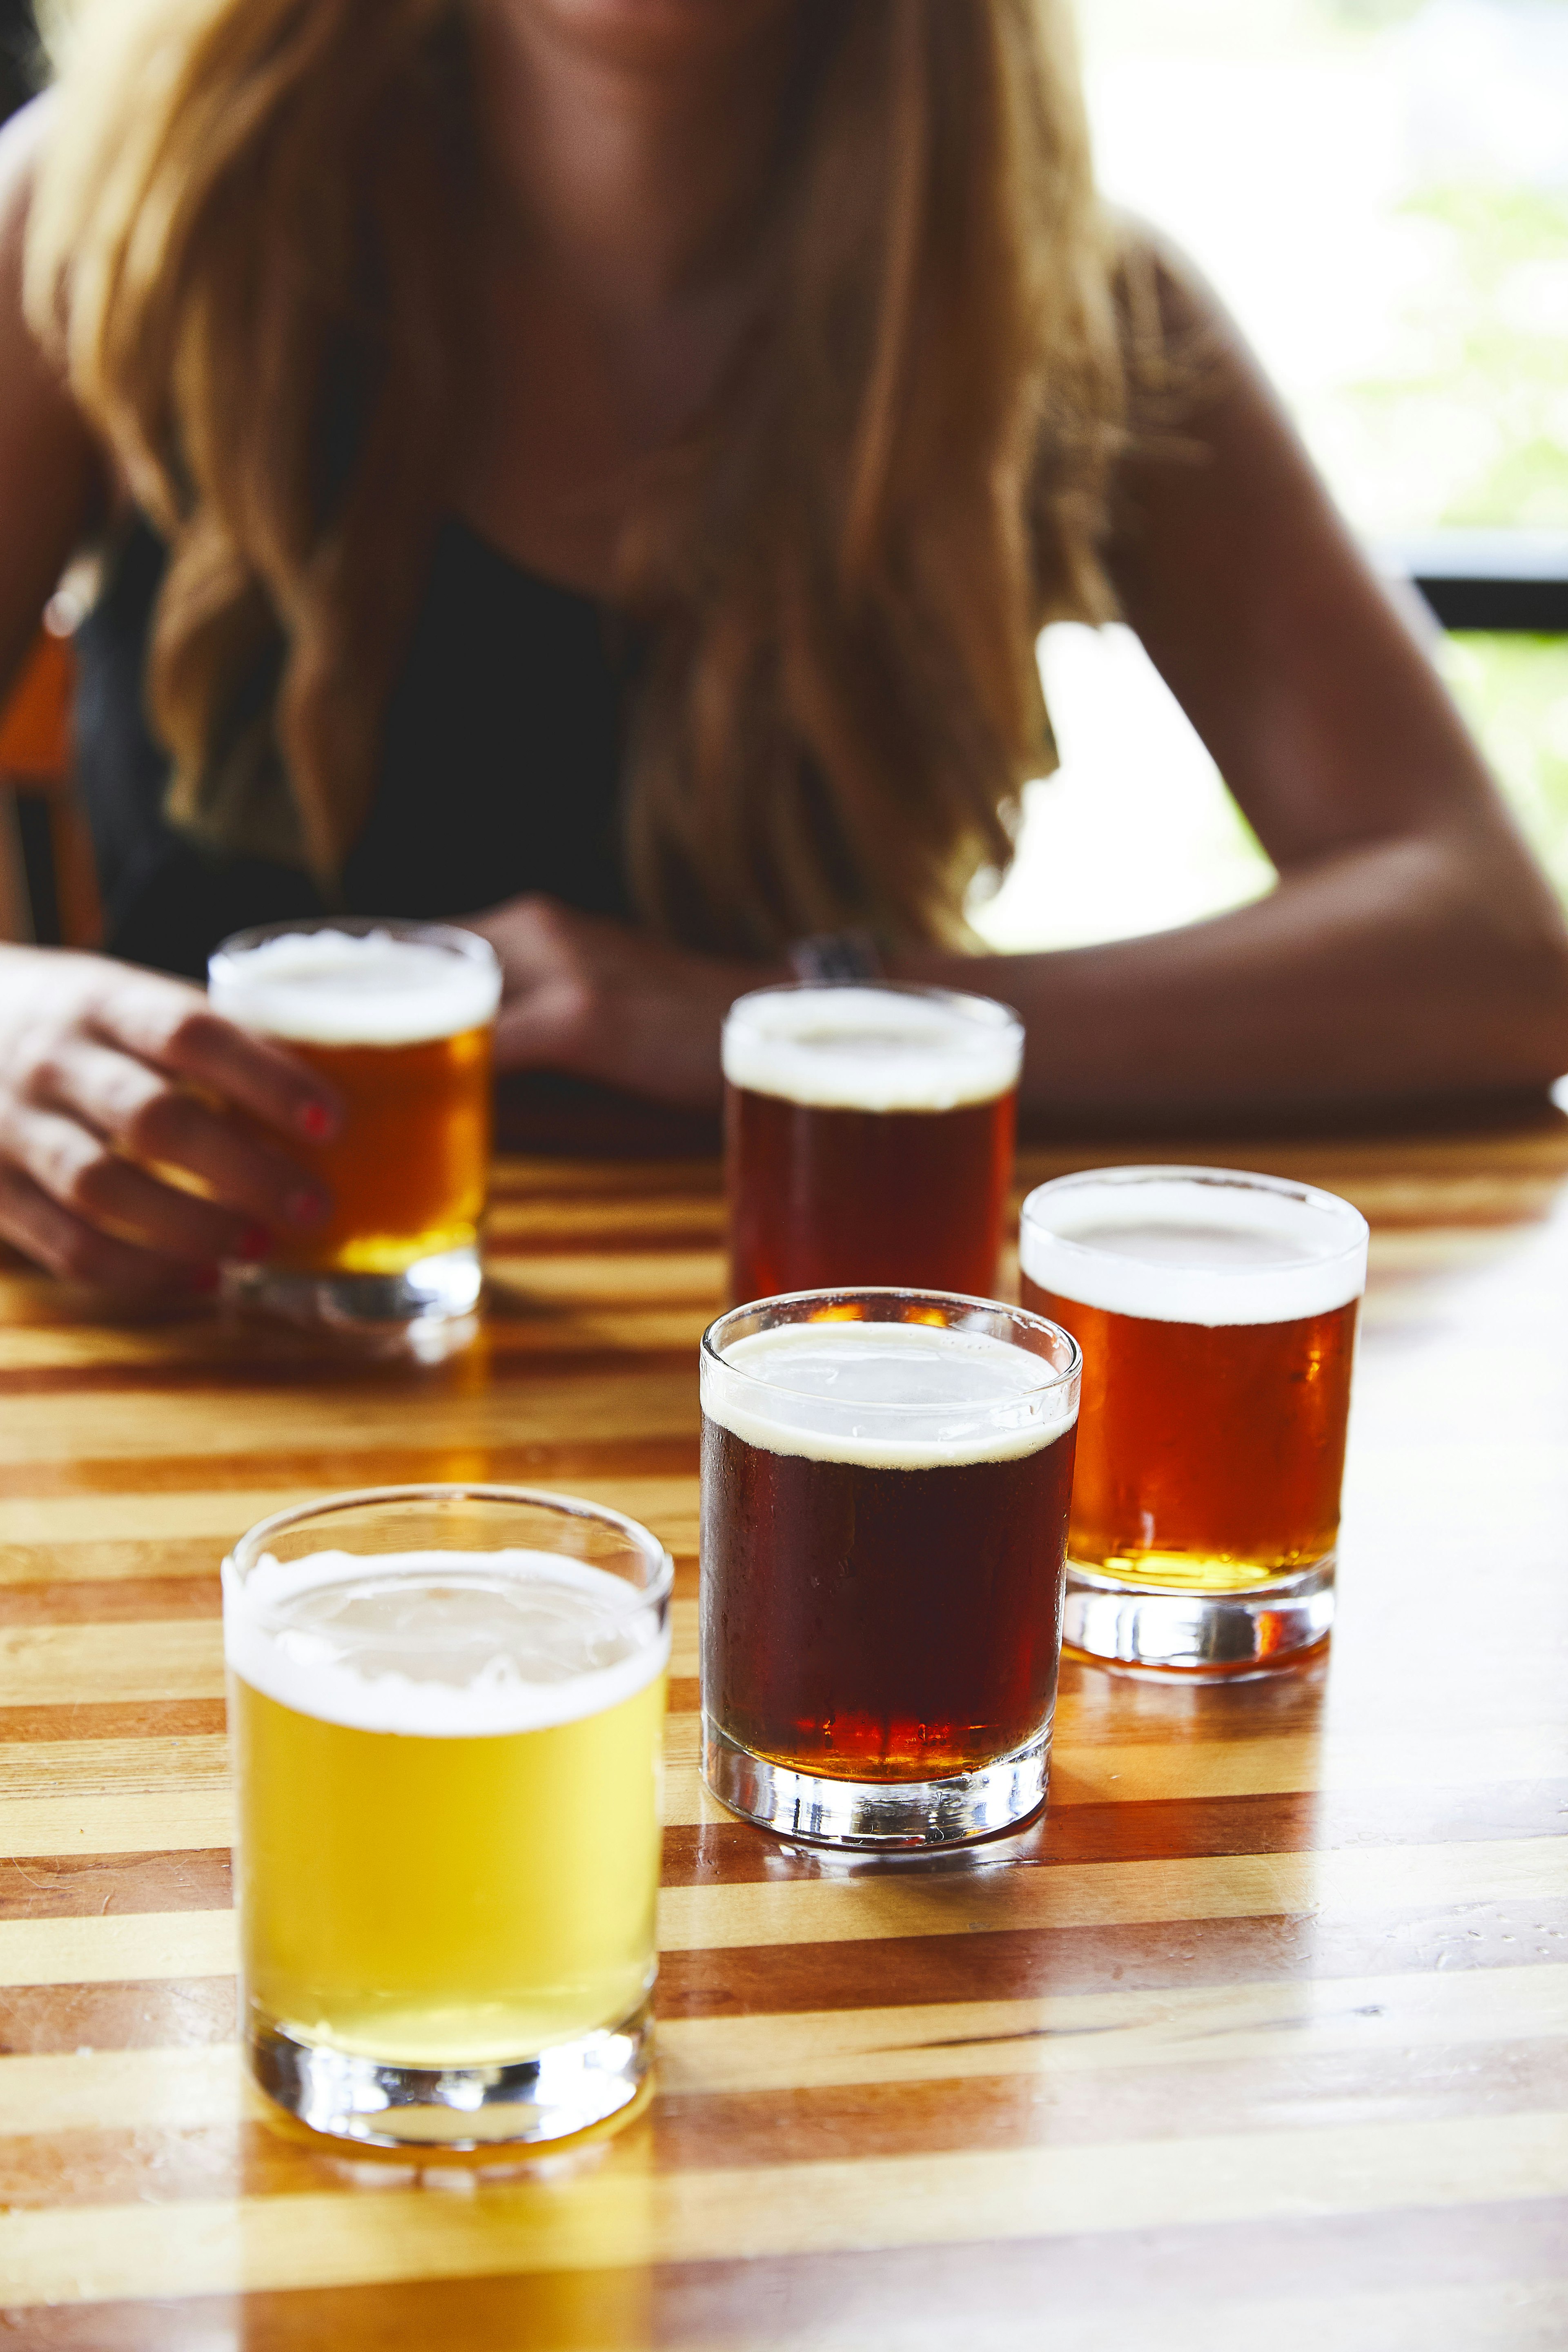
(546, 1112)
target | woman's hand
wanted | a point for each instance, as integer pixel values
(118, 1088)
(601, 1000)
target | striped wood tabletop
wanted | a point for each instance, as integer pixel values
(1257, 2038)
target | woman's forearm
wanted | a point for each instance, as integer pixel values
(1395, 971)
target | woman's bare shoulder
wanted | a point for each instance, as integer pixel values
(22, 140)
(22, 143)
(52, 473)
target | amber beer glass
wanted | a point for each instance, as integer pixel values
(885, 1485)
(1216, 1313)
(868, 1137)
(399, 1017)
(445, 1708)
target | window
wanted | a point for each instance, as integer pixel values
(1379, 191)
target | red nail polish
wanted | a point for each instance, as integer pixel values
(304, 1208)
(254, 1242)
(317, 1121)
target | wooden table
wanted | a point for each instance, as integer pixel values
(1257, 2039)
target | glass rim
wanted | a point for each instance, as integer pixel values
(710, 1353)
(247, 1549)
(452, 936)
(1334, 1205)
(984, 1012)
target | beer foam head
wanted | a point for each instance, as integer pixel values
(1207, 1245)
(888, 1396)
(328, 987)
(873, 1048)
(443, 1644)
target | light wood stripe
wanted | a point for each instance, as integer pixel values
(53, 1665)
(172, 1796)
(350, 1419)
(72, 1770)
(537, 1299)
(1110, 1894)
(631, 1224)
(154, 1795)
(1522, 2315)
(621, 1278)
(94, 1540)
(1086, 2033)
(222, 1513)
(124, 1946)
(187, 2088)
(616, 2217)
(995, 1901)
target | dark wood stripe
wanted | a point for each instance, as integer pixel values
(1111, 2104)
(163, 2014)
(86, 1886)
(175, 1377)
(733, 1853)
(329, 1471)
(1143, 2274)
(1026, 1963)
(120, 1600)
(100, 1559)
(514, 1178)
(173, 1718)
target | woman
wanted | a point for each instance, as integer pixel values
(606, 461)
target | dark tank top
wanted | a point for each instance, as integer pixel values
(500, 773)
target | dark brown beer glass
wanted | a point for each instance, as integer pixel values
(868, 1137)
(885, 1477)
(1216, 1312)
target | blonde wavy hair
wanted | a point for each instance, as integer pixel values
(242, 245)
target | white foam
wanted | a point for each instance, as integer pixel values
(872, 1048)
(1207, 1245)
(341, 988)
(888, 1396)
(441, 1645)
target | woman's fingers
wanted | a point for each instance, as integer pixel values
(172, 1026)
(88, 1178)
(66, 1245)
(149, 1120)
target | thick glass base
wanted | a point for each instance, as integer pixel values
(562, 2091)
(1222, 1635)
(427, 1310)
(890, 1814)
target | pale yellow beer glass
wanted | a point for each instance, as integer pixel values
(445, 1706)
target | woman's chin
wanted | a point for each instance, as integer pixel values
(652, 32)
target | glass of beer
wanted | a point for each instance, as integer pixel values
(399, 1017)
(445, 1706)
(1216, 1312)
(885, 1476)
(868, 1137)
